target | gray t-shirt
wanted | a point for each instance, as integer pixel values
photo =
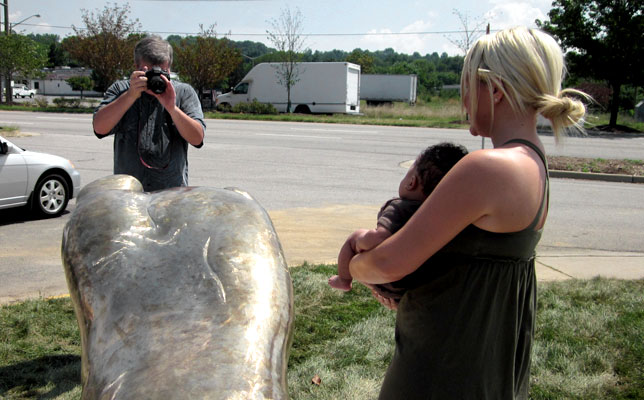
(147, 145)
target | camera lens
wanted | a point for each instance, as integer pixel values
(157, 85)
(155, 82)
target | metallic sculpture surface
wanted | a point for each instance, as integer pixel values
(179, 294)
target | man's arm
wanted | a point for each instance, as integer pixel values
(109, 115)
(190, 129)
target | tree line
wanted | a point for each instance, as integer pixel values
(602, 39)
(208, 62)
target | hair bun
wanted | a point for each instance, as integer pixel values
(562, 110)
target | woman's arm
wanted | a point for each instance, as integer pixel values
(475, 189)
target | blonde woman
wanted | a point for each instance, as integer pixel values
(467, 331)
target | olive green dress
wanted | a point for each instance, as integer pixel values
(467, 332)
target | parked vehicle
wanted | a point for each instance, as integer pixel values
(379, 89)
(23, 91)
(44, 182)
(321, 87)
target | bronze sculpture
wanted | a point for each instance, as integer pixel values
(181, 293)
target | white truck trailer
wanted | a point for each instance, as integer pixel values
(379, 89)
(322, 87)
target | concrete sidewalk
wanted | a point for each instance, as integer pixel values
(315, 235)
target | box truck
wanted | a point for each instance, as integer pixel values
(379, 89)
(321, 87)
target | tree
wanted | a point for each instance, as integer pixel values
(81, 83)
(363, 59)
(205, 61)
(472, 30)
(57, 56)
(287, 38)
(106, 44)
(19, 54)
(604, 39)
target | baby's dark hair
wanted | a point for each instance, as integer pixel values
(435, 161)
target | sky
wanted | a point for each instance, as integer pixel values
(406, 26)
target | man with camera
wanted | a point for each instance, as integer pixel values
(152, 119)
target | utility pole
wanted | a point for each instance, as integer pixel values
(5, 4)
(6, 16)
(487, 32)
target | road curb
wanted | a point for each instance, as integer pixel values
(596, 176)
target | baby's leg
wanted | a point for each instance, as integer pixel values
(343, 279)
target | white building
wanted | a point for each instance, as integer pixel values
(55, 82)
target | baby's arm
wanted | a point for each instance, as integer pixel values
(343, 279)
(371, 238)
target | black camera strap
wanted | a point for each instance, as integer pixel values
(154, 143)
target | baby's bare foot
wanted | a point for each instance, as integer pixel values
(339, 283)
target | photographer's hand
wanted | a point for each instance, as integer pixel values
(106, 118)
(168, 97)
(138, 83)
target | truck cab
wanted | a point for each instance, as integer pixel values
(23, 91)
(238, 94)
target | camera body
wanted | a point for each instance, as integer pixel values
(155, 83)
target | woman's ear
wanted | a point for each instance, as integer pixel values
(497, 93)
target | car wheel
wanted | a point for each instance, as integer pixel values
(50, 196)
(302, 109)
(31, 95)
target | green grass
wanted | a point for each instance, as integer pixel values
(436, 113)
(50, 109)
(39, 350)
(624, 119)
(589, 342)
(4, 130)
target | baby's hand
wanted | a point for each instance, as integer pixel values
(385, 301)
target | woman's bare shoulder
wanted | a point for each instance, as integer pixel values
(500, 181)
(487, 164)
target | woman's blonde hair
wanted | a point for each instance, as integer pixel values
(527, 66)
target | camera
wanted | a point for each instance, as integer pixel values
(155, 82)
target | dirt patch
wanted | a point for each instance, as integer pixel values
(597, 165)
(14, 134)
(315, 235)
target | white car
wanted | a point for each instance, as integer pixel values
(23, 91)
(42, 181)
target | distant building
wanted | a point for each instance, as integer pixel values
(55, 82)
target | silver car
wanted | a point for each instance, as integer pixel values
(44, 182)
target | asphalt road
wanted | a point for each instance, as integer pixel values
(294, 165)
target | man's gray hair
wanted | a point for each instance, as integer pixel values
(154, 50)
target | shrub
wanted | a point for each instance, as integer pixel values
(255, 107)
(92, 103)
(71, 103)
(600, 92)
(41, 102)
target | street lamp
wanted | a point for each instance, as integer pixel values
(13, 25)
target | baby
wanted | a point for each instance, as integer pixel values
(430, 167)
